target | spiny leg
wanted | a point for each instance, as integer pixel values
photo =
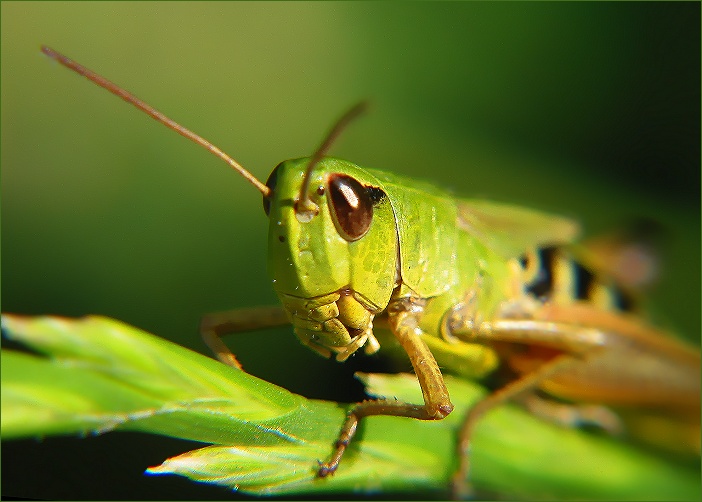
(575, 342)
(460, 486)
(217, 324)
(366, 409)
(403, 317)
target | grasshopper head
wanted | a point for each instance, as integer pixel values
(333, 266)
(333, 246)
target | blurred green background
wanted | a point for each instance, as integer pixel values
(588, 109)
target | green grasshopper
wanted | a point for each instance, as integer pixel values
(473, 286)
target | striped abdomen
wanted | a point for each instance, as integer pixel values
(553, 274)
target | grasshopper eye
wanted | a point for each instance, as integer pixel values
(352, 207)
(270, 183)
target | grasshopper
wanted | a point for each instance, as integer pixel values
(473, 286)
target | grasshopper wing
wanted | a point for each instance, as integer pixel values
(510, 230)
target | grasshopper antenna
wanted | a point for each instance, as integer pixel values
(304, 203)
(155, 114)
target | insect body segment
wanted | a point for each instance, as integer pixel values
(553, 274)
(332, 282)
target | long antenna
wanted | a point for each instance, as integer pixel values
(304, 203)
(155, 114)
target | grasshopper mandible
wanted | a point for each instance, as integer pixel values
(352, 250)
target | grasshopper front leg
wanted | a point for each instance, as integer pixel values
(403, 319)
(218, 324)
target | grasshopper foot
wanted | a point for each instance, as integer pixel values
(325, 470)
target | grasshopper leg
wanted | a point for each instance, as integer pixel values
(571, 414)
(460, 485)
(403, 317)
(576, 343)
(218, 324)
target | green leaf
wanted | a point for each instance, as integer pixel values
(100, 375)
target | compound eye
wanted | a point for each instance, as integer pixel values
(272, 180)
(352, 207)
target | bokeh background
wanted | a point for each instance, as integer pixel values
(588, 109)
